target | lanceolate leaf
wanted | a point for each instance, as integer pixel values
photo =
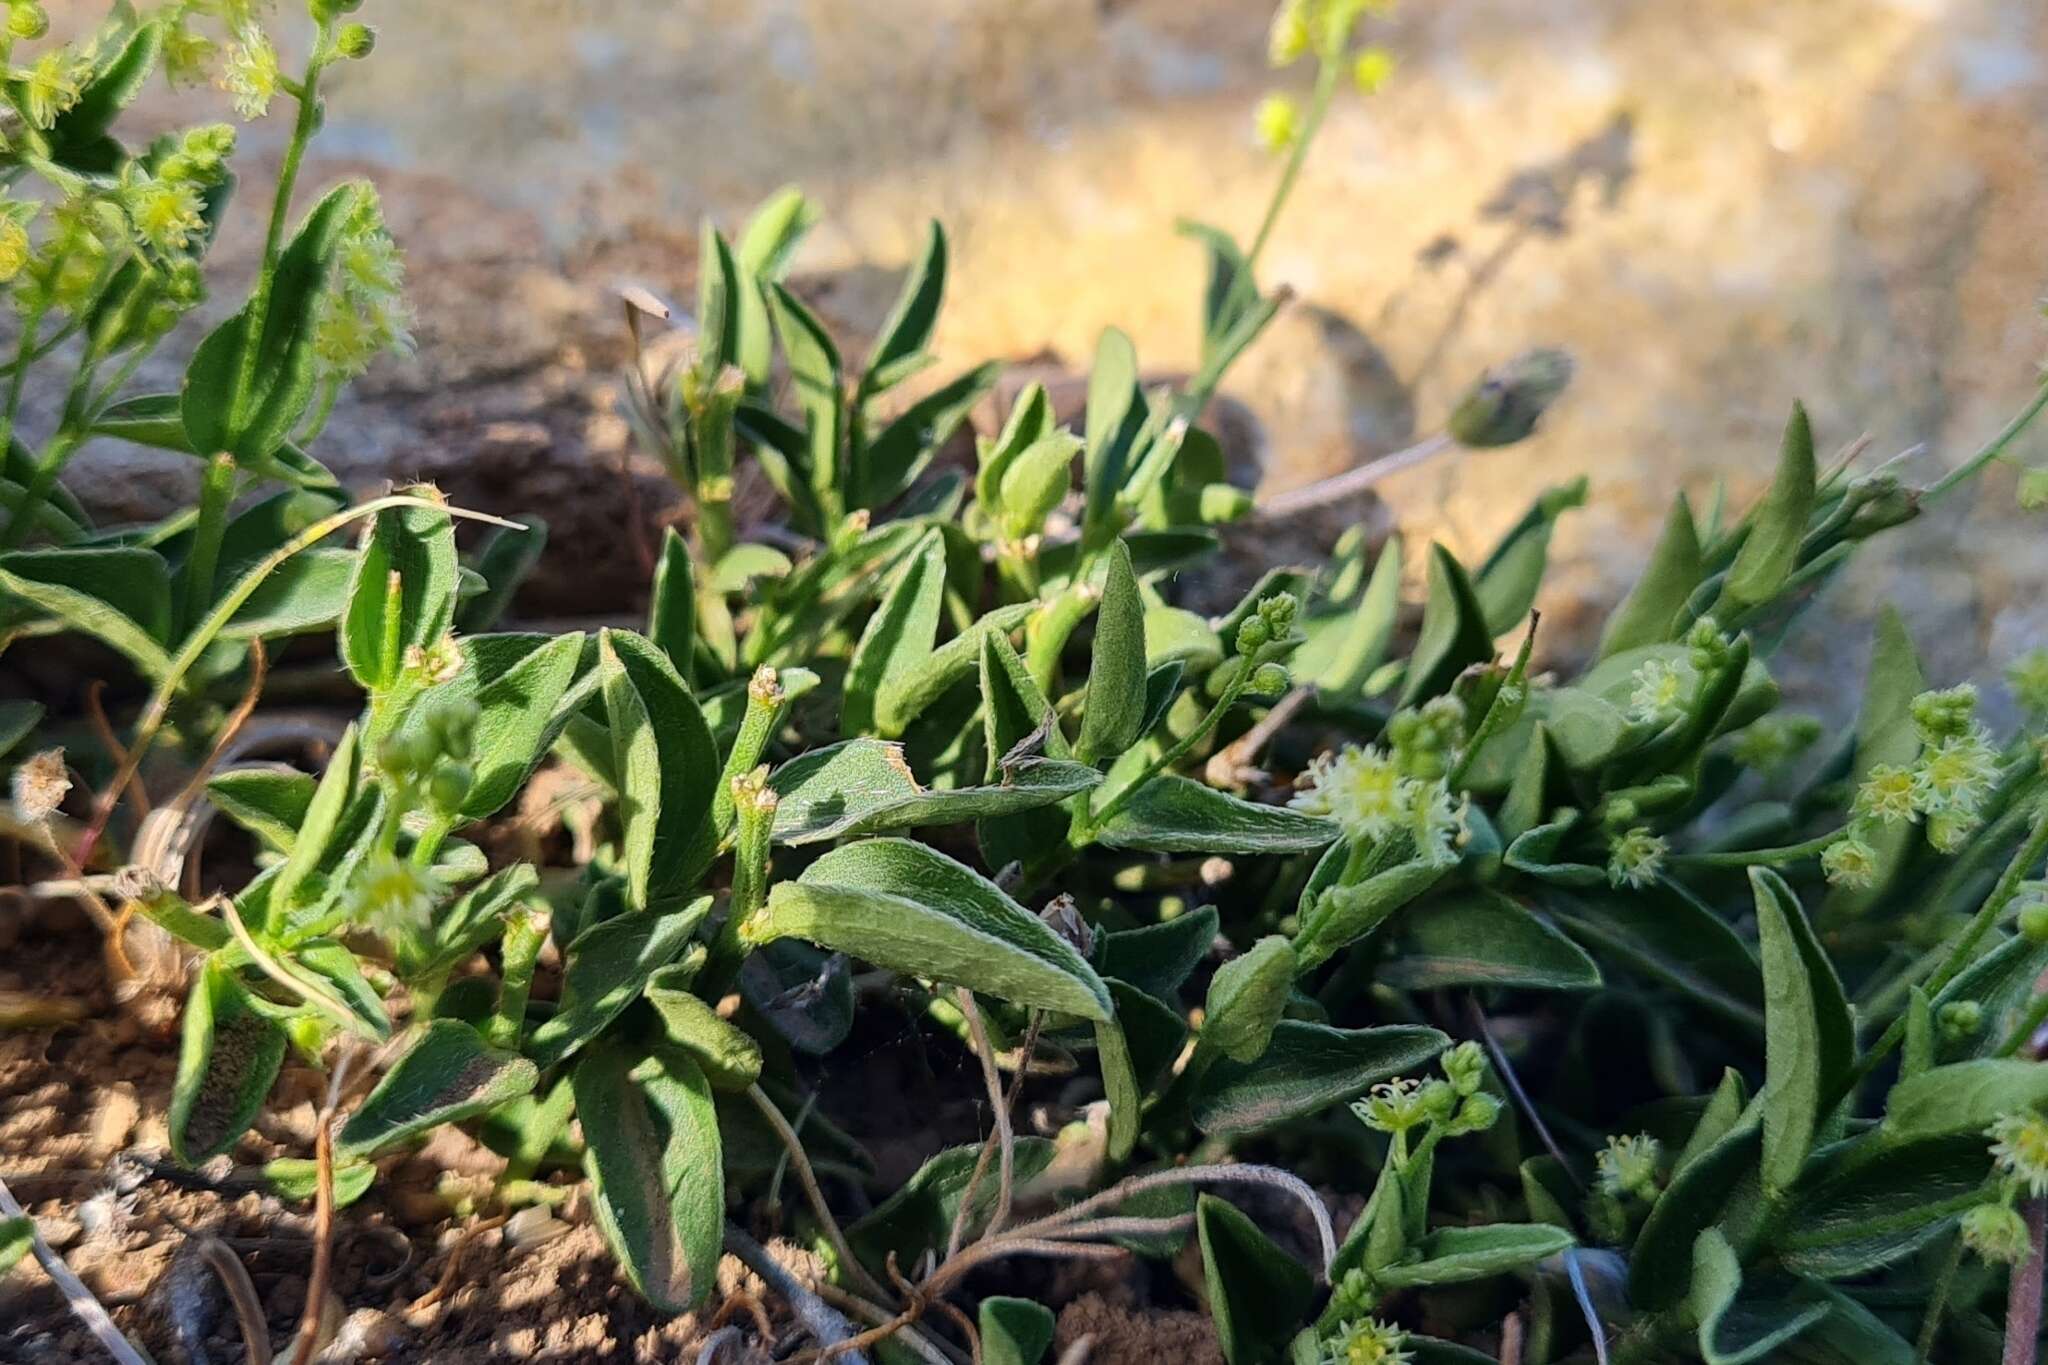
(518, 716)
(1874, 1200)
(1771, 549)
(1729, 1335)
(229, 1058)
(610, 965)
(1698, 1197)
(912, 909)
(1664, 933)
(1344, 649)
(731, 1060)
(1171, 814)
(269, 802)
(415, 548)
(656, 1177)
(1455, 1254)
(1158, 957)
(906, 333)
(1014, 1331)
(865, 786)
(1454, 632)
(1809, 1038)
(1307, 1068)
(672, 614)
(1258, 1294)
(894, 459)
(898, 636)
(1115, 704)
(909, 692)
(246, 405)
(1116, 414)
(919, 1216)
(1646, 615)
(449, 1075)
(1963, 1097)
(1482, 938)
(120, 596)
(665, 763)
(1506, 584)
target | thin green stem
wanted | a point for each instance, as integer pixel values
(1327, 74)
(1088, 825)
(1968, 469)
(2028, 1025)
(1761, 857)
(525, 931)
(216, 490)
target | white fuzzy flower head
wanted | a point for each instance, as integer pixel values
(1403, 1103)
(2019, 1145)
(1635, 858)
(40, 786)
(393, 896)
(1361, 789)
(1996, 1234)
(1888, 794)
(251, 73)
(1849, 862)
(1366, 1341)
(1628, 1165)
(1660, 689)
(1956, 773)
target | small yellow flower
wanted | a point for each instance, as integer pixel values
(393, 896)
(1361, 789)
(1287, 41)
(15, 247)
(1849, 862)
(1395, 1106)
(1278, 122)
(1635, 858)
(1996, 1233)
(188, 54)
(2019, 1144)
(251, 74)
(51, 86)
(1887, 794)
(1372, 69)
(166, 214)
(1366, 1341)
(1628, 1166)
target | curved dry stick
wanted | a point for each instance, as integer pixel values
(1123, 1190)
(1324, 491)
(813, 1195)
(822, 1322)
(1002, 1138)
(234, 1277)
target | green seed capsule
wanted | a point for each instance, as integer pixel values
(356, 41)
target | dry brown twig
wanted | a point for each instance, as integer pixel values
(76, 1296)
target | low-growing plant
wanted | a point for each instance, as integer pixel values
(1736, 1049)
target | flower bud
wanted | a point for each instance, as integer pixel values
(1996, 1233)
(1959, 1020)
(2034, 921)
(2034, 490)
(1269, 680)
(1252, 634)
(1506, 404)
(27, 20)
(355, 41)
(449, 786)
(1278, 122)
(1372, 69)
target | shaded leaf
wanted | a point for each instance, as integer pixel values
(448, 1075)
(665, 762)
(864, 786)
(1648, 614)
(1258, 1294)
(1456, 1254)
(1171, 814)
(1771, 548)
(1307, 1068)
(1482, 938)
(1159, 957)
(1014, 1331)
(610, 964)
(1115, 704)
(1809, 1037)
(229, 1056)
(119, 595)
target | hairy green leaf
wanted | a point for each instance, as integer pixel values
(1307, 1068)
(865, 786)
(448, 1075)
(1115, 705)
(1171, 814)
(1482, 938)
(610, 964)
(1809, 1037)
(1258, 1294)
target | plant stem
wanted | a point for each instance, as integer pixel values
(76, 1295)
(815, 1196)
(2023, 1299)
(216, 489)
(1328, 71)
(1761, 857)
(1967, 470)
(524, 935)
(1088, 825)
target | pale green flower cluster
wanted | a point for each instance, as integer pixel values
(1635, 857)
(1995, 1231)
(1627, 1166)
(1366, 1341)
(364, 313)
(1324, 29)
(1366, 792)
(1946, 785)
(1660, 689)
(1456, 1103)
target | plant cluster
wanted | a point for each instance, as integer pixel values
(1656, 1041)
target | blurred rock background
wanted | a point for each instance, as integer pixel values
(1715, 207)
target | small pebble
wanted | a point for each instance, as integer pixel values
(367, 1334)
(531, 1227)
(114, 1120)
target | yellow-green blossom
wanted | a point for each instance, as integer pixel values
(1627, 1165)
(1366, 1341)
(1849, 862)
(1996, 1233)
(1635, 858)
(1888, 794)
(1278, 122)
(51, 86)
(1359, 788)
(393, 896)
(2019, 1144)
(251, 73)
(1372, 69)
(1660, 690)
(166, 213)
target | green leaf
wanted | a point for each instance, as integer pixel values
(1454, 633)
(610, 964)
(731, 1060)
(1115, 704)
(1159, 957)
(461, 929)
(657, 1178)
(320, 829)
(415, 548)
(250, 423)
(1873, 1201)
(1121, 1087)
(1809, 1037)
(1014, 1331)
(269, 802)
(907, 331)
(18, 1235)
(912, 909)
(898, 637)
(1963, 1097)
(77, 136)
(1171, 814)
(18, 719)
(1153, 1033)
(307, 592)
(814, 369)
(1649, 612)
(1483, 938)
(672, 612)
(1258, 1294)
(1343, 649)
(324, 957)
(1014, 710)
(2002, 984)
(803, 994)
(908, 693)
(1342, 915)
(297, 1179)
(919, 1216)
(157, 420)
(1770, 550)
(763, 255)
(1507, 583)
(1668, 936)
(865, 786)
(666, 763)
(1734, 1333)
(119, 595)
(448, 1075)
(1034, 483)
(1247, 996)
(1307, 1068)
(1116, 414)
(227, 1061)
(1456, 1254)
(1698, 1198)
(903, 449)
(518, 715)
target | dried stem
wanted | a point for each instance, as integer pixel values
(1351, 482)
(824, 1324)
(1001, 1139)
(76, 1295)
(234, 1277)
(808, 1178)
(323, 1216)
(2023, 1300)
